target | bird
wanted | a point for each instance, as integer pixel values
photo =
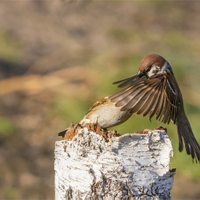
(154, 91)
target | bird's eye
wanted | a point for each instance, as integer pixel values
(148, 68)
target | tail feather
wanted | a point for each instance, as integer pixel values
(186, 136)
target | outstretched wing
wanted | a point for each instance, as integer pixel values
(130, 80)
(154, 96)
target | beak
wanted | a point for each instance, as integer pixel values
(141, 74)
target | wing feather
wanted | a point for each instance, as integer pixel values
(133, 102)
(156, 103)
(130, 80)
(153, 96)
(128, 96)
(148, 98)
(150, 104)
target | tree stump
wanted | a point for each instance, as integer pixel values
(131, 166)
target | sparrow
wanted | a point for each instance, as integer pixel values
(154, 91)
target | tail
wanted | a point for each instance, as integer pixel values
(62, 133)
(186, 136)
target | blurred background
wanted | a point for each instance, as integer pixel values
(58, 57)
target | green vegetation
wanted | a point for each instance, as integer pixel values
(6, 127)
(10, 193)
(9, 50)
(65, 107)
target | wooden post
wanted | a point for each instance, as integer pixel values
(131, 166)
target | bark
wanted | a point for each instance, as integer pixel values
(131, 166)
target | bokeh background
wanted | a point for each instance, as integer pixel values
(58, 57)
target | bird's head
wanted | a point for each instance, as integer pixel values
(154, 64)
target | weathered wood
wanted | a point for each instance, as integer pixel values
(132, 166)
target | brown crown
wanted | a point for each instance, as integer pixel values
(151, 59)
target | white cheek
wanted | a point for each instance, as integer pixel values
(154, 70)
(150, 73)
